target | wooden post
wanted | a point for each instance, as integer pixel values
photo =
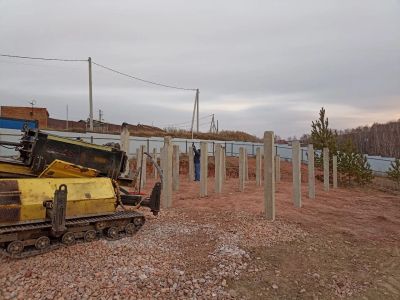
(311, 172)
(269, 176)
(203, 169)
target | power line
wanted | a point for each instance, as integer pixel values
(101, 66)
(187, 122)
(143, 80)
(203, 117)
(40, 58)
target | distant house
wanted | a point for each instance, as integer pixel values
(27, 113)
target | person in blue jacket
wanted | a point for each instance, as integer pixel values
(196, 159)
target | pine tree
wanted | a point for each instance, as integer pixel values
(364, 172)
(353, 166)
(394, 171)
(346, 161)
(323, 137)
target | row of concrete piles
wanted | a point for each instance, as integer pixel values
(169, 160)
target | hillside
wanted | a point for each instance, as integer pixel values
(142, 130)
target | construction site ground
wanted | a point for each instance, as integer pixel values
(343, 244)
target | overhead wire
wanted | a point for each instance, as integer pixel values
(143, 80)
(112, 70)
(187, 122)
(101, 66)
(40, 58)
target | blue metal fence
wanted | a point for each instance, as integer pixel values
(378, 164)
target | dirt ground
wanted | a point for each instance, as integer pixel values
(343, 244)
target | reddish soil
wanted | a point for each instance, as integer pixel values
(363, 213)
(353, 238)
(343, 244)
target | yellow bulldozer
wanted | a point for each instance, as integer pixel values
(60, 191)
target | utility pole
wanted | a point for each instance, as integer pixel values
(197, 101)
(100, 115)
(213, 128)
(90, 96)
(67, 117)
(195, 108)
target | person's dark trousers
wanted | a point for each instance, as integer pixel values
(197, 171)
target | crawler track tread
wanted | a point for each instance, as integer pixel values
(69, 223)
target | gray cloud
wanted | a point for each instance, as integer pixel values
(259, 64)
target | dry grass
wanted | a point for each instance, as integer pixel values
(224, 135)
(149, 131)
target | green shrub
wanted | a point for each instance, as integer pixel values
(353, 167)
(394, 171)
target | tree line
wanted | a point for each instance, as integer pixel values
(378, 139)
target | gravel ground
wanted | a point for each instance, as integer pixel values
(343, 244)
(179, 254)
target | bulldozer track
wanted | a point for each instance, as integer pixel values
(56, 244)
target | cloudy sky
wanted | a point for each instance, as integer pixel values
(259, 65)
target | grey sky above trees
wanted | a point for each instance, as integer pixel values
(259, 65)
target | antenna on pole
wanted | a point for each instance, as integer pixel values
(32, 103)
